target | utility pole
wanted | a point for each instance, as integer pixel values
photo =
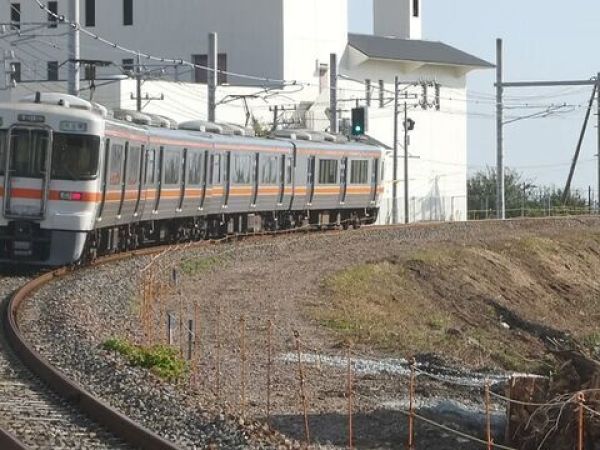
(212, 76)
(500, 195)
(500, 86)
(138, 83)
(395, 147)
(74, 49)
(567, 190)
(333, 76)
(406, 143)
(598, 121)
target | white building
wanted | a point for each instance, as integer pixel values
(270, 41)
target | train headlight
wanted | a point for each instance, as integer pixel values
(70, 126)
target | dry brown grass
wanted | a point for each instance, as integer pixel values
(448, 300)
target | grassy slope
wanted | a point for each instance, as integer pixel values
(456, 301)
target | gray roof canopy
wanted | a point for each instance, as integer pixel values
(413, 50)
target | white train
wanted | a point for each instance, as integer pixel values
(77, 182)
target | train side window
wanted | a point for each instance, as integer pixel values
(269, 170)
(328, 171)
(195, 168)
(217, 169)
(172, 166)
(359, 172)
(242, 169)
(150, 166)
(115, 175)
(133, 166)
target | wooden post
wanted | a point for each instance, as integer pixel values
(411, 407)
(269, 368)
(302, 388)
(488, 417)
(349, 393)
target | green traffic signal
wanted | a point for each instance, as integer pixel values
(359, 116)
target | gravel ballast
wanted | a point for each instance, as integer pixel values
(257, 280)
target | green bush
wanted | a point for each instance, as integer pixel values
(162, 360)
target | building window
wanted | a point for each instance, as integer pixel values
(381, 94)
(53, 8)
(52, 71)
(416, 8)
(15, 15)
(127, 65)
(328, 171)
(90, 13)
(437, 97)
(16, 72)
(201, 75)
(127, 12)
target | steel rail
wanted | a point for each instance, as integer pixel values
(96, 409)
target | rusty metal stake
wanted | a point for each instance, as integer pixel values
(197, 346)
(242, 365)
(269, 368)
(349, 394)
(218, 356)
(488, 417)
(581, 422)
(411, 407)
(181, 331)
(302, 388)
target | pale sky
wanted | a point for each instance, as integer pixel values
(543, 39)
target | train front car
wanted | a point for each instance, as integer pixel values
(49, 178)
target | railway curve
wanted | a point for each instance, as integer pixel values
(19, 359)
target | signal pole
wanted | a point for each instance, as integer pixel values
(333, 76)
(74, 49)
(138, 83)
(212, 76)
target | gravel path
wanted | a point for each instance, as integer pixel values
(36, 416)
(266, 279)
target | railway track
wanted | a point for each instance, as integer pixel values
(39, 407)
(42, 409)
(35, 416)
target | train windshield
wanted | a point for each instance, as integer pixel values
(75, 157)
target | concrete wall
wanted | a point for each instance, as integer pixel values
(250, 32)
(313, 29)
(395, 18)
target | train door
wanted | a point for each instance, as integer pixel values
(159, 183)
(124, 179)
(104, 179)
(375, 180)
(282, 166)
(205, 183)
(255, 180)
(343, 180)
(183, 179)
(150, 180)
(27, 179)
(142, 172)
(227, 179)
(311, 173)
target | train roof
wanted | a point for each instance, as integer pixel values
(74, 108)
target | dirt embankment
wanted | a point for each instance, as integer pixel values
(497, 303)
